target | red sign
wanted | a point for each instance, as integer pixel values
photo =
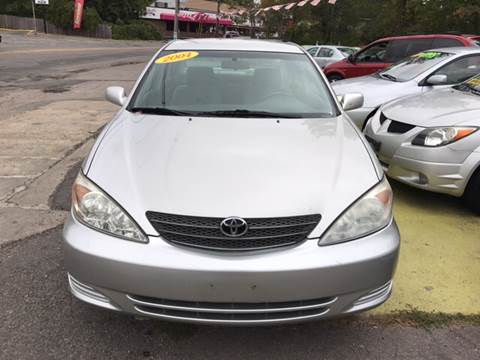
(78, 14)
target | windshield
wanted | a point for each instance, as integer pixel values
(233, 83)
(471, 86)
(347, 51)
(413, 66)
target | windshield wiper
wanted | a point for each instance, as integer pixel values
(160, 111)
(247, 113)
(388, 77)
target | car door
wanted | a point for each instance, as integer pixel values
(457, 71)
(369, 60)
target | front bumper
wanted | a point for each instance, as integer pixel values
(442, 169)
(294, 284)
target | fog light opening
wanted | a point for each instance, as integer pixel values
(422, 179)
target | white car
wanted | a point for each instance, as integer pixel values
(327, 54)
(431, 141)
(420, 73)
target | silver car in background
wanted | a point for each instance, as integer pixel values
(431, 141)
(328, 54)
(421, 73)
(231, 188)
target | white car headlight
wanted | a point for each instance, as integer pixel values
(370, 213)
(92, 207)
(439, 136)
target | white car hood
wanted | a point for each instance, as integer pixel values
(220, 167)
(376, 91)
(436, 108)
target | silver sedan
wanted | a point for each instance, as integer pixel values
(432, 141)
(416, 75)
(328, 54)
(231, 188)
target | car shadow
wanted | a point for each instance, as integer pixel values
(435, 203)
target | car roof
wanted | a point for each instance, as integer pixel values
(234, 45)
(445, 36)
(460, 50)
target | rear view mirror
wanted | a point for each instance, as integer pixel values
(116, 95)
(439, 79)
(351, 101)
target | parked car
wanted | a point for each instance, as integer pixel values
(431, 141)
(384, 52)
(215, 201)
(328, 54)
(231, 34)
(418, 74)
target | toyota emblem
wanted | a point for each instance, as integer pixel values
(233, 227)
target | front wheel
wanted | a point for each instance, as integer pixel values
(334, 77)
(472, 193)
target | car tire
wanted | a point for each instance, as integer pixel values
(334, 77)
(472, 192)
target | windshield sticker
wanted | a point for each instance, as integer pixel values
(474, 82)
(181, 56)
(429, 55)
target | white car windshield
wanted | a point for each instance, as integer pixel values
(472, 85)
(413, 66)
(234, 83)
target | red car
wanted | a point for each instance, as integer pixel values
(382, 53)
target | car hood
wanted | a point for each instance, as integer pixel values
(220, 167)
(436, 108)
(375, 91)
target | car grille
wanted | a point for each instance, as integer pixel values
(231, 312)
(383, 118)
(398, 127)
(204, 232)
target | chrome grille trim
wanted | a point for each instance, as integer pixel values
(232, 310)
(240, 313)
(205, 233)
(236, 239)
(232, 319)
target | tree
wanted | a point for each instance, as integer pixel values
(118, 11)
(251, 7)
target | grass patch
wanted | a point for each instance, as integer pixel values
(427, 320)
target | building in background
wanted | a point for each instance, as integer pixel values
(197, 18)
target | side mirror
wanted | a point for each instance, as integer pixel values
(351, 101)
(438, 79)
(116, 95)
(351, 58)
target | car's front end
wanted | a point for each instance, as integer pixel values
(426, 143)
(232, 216)
(290, 284)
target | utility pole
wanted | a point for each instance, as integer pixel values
(218, 21)
(175, 22)
(34, 17)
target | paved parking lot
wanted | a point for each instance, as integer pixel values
(51, 97)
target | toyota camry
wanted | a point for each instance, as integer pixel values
(231, 188)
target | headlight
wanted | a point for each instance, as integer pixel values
(439, 136)
(94, 208)
(372, 212)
